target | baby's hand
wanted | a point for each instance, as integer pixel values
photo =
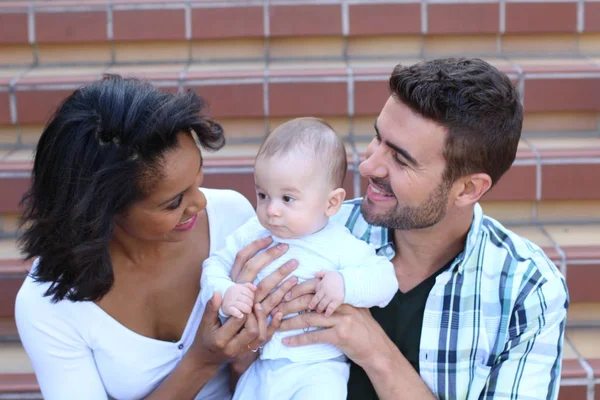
(330, 292)
(238, 300)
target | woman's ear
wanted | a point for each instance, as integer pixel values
(334, 202)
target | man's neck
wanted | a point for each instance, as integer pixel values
(422, 252)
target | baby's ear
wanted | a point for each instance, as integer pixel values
(334, 202)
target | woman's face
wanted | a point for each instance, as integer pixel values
(170, 210)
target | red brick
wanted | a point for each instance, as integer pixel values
(37, 106)
(473, 18)
(13, 28)
(313, 98)
(241, 182)
(541, 17)
(572, 393)
(518, 183)
(370, 96)
(561, 94)
(306, 20)
(8, 292)
(68, 27)
(227, 22)
(570, 182)
(234, 100)
(4, 108)
(385, 19)
(149, 24)
(12, 190)
(591, 17)
(581, 281)
(18, 383)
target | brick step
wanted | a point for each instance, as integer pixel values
(563, 91)
(8, 330)
(546, 173)
(133, 30)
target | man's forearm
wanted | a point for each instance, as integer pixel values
(394, 378)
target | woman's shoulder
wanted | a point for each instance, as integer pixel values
(225, 202)
(33, 307)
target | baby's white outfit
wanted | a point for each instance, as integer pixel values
(318, 371)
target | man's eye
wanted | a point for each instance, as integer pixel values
(378, 138)
(399, 161)
(287, 199)
(175, 205)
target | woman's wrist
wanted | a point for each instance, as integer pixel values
(195, 366)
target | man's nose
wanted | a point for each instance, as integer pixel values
(373, 164)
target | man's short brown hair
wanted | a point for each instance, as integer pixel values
(476, 103)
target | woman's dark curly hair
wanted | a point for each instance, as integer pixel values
(99, 153)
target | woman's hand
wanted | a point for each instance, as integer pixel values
(216, 344)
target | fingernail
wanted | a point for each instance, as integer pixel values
(282, 246)
(259, 306)
(275, 311)
(288, 296)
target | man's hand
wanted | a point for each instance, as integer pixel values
(238, 300)
(352, 330)
(330, 292)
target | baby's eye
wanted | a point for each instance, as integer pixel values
(261, 196)
(287, 199)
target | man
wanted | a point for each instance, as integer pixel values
(480, 311)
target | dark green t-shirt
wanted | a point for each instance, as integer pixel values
(402, 320)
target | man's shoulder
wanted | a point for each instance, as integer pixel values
(508, 253)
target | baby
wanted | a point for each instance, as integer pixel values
(299, 172)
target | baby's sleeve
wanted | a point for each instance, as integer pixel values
(369, 279)
(216, 269)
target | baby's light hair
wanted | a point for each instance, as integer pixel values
(314, 135)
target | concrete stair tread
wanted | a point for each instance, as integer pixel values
(44, 74)
(13, 359)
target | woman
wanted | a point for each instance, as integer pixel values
(119, 229)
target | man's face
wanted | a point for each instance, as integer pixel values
(404, 166)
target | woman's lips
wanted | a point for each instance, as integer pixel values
(187, 224)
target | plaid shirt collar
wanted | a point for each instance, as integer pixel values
(382, 238)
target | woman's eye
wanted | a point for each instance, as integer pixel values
(287, 199)
(175, 205)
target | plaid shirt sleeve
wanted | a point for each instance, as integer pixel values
(529, 365)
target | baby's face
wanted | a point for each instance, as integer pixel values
(292, 195)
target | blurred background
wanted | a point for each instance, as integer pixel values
(259, 63)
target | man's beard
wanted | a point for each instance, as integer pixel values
(426, 214)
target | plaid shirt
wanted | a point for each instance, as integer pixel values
(494, 322)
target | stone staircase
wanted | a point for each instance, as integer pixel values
(259, 63)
